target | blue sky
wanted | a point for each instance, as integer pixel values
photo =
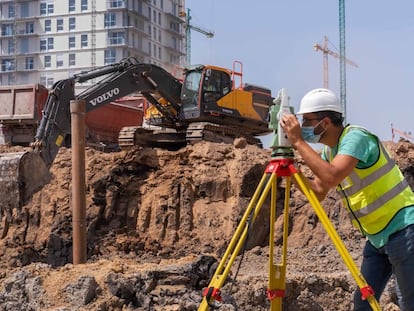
(274, 41)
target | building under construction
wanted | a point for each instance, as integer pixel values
(46, 41)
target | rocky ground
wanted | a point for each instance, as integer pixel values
(158, 223)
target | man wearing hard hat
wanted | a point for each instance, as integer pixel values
(373, 189)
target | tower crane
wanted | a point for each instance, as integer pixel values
(405, 135)
(326, 51)
(189, 27)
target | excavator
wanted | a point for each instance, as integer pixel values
(205, 105)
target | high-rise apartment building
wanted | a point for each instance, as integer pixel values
(43, 41)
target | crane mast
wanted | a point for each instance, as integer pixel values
(342, 66)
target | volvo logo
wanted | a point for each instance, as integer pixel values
(104, 97)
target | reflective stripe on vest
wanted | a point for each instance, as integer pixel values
(374, 195)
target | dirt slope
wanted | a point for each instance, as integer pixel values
(158, 221)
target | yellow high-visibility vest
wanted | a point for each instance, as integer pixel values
(374, 195)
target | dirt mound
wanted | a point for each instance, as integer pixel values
(158, 221)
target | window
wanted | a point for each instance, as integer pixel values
(59, 60)
(174, 26)
(50, 8)
(72, 59)
(48, 25)
(84, 41)
(10, 46)
(29, 27)
(47, 80)
(72, 42)
(24, 45)
(29, 62)
(43, 44)
(24, 10)
(110, 20)
(116, 38)
(7, 65)
(12, 10)
(174, 9)
(46, 8)
(46, 44)
(50, 43)
(59, 24)
(48, 61)
(174, 42)
(72, 23)
(116, 3)
(7, 30)
(84, 5)
(72, 7)
(110, 56)
(159, 18)
(43, 8)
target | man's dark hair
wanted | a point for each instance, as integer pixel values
(336, 118)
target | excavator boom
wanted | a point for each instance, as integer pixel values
(24, 173)
(205, 106)
(121, 80)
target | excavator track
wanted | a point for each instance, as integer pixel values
(137, 136)
(198, 131)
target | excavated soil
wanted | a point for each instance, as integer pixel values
(158, 223)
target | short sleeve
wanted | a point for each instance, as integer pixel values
(361, 145)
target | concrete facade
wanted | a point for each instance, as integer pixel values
(44, 41)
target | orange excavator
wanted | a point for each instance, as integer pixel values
(206, 104)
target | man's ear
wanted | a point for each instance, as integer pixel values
(327, 121)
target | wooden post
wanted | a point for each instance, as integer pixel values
(77, 109)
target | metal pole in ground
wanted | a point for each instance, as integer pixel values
(77, 109)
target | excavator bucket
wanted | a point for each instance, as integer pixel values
(21, 175)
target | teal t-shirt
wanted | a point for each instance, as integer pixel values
(363, 146)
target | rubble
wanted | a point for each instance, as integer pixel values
(159, 222)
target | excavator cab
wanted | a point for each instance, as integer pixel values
(209, 95)
(204, 84)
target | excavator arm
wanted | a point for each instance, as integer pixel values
(24, 173)
(121, 79)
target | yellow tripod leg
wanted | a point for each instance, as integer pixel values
(362, 283)
(277, 273)
(213, 291)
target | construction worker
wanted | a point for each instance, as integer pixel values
(373, 189)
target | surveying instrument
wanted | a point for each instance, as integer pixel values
(281, 165)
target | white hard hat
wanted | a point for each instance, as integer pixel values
(320, 100)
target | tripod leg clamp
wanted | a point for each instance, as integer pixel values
(366, 292)
(211, 292)
(275, 293)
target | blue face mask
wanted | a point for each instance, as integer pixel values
(308, 134)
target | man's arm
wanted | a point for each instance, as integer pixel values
(327, 175)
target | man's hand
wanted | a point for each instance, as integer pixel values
(291, 126)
